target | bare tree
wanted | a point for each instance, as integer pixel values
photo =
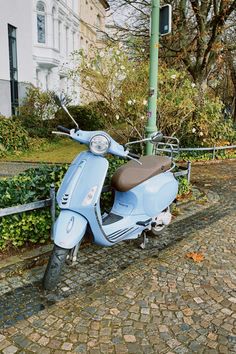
(198, 29)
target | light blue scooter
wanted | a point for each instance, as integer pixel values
(144, 189)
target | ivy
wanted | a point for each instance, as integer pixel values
(27, 187)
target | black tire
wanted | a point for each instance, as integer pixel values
(54, 267)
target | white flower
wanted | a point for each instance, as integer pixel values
(129, 102)
(105, 114)
(121, 77)
(194, 130)
(117, 117)
(193, 84)
(173, 77)
(142, 117)
(118, 52)
(122, 67)
(134, 101)
(102, 54)
(145, 102)
(201, 133)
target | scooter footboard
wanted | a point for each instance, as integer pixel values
(69, 229)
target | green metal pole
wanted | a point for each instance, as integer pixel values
(151, 126)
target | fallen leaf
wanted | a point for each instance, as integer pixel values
(114, 312)
(196, 257)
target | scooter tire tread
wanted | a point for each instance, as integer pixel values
(54, 267)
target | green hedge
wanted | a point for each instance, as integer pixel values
(27, 187)
(86, 116)
(12, 136)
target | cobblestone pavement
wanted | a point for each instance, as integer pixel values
(125, 300)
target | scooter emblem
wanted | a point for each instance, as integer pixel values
(70, 224)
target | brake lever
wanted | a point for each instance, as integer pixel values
(133, 159)
(60, 133)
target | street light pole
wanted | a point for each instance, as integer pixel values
(151, 126)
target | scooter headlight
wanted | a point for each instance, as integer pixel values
(99, 144)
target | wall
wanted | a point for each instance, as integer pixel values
(18, 14)
(90, 11)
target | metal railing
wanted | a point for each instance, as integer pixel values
(40, 204)
(183, 171)
(213, 149)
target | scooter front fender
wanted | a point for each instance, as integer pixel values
(69, 229)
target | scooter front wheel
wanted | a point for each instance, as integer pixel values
(54, 267)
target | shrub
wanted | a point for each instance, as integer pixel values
(27, 187)
(39, 114)
(37, 111)
(121, 82)
(12, 136)
(88, 117)
(184, 186)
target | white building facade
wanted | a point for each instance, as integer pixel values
(55, 37)
(37, 38)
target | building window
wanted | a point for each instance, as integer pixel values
(59, 35)
(98, 21)
(41, 22)
(73, 40)
(54, 27)
(67, 40)
(13, 68)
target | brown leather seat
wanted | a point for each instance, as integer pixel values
(132, 173)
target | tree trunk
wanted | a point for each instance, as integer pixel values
(232, 68)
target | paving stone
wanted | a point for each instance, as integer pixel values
(10, 350)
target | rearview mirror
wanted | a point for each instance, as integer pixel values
(156, 137)
(61, 100)
(57, 100)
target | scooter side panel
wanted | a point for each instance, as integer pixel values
(161, 191)
(69, 229)
(148, 198)
(83, 182)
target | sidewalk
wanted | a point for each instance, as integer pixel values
(124, 300)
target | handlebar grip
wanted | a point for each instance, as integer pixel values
(135, 156)
(63, 129)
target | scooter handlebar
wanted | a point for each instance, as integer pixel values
(135, 156)
(60, 128)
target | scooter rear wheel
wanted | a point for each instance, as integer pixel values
(54, 267)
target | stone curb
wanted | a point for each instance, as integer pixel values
(36, 257)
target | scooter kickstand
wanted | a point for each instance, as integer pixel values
(73, 256)
(145, 241)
